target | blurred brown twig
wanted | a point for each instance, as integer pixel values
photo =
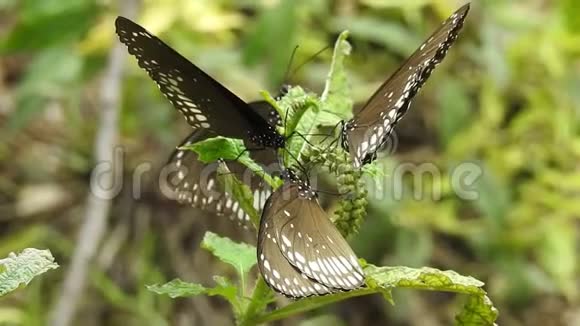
(97, 210)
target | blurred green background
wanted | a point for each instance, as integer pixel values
(507, 97)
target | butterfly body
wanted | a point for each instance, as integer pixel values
(373, 123)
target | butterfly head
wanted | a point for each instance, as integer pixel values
(304, 190)
(284, 91)
(268, 139)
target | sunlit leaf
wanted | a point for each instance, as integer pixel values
(478, 310)
(21, 268)
(240, 255)
(214, 149)
(178, 288)
(336, 98)
(422, 278)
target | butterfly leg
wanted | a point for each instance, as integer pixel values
(249, 150)
(335, 141)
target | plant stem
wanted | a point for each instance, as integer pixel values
(306, 305)
(261, 296)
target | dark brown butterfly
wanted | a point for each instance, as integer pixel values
(212, 110)
(193, 182)
(373, 123)
(300, 251)
(204, 102)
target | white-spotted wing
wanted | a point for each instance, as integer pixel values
(194, 182)
(373, 123)
(203, 101)
(278, 273)
(297, 241)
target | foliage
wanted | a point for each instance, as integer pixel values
(22, 268)
(505, 100)
(378, 279)
(477, 311)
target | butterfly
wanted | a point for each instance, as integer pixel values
(211, 109)
(300, 251)
(193, 182)
(373, 123)
(203, 101)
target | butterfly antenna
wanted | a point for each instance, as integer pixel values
(304, 138)
(287, 73)
(340, 123)
(332, 193)
(312, 57)
(285, 121)
(243, 152)
(332, 143)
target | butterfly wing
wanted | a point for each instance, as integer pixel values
(294, 223)
(312, 244)
(203, 101)
(373, 122)
(193, 182)
(278, 273)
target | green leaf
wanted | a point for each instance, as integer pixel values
(240, 255)
(22, 268)
(336, 97)
(224, 288)
(261, 297)
(216, 148)
(297, 102)
(301, 121)
(477, 311)
(272, 101)
(178, 288)
(425, 278)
